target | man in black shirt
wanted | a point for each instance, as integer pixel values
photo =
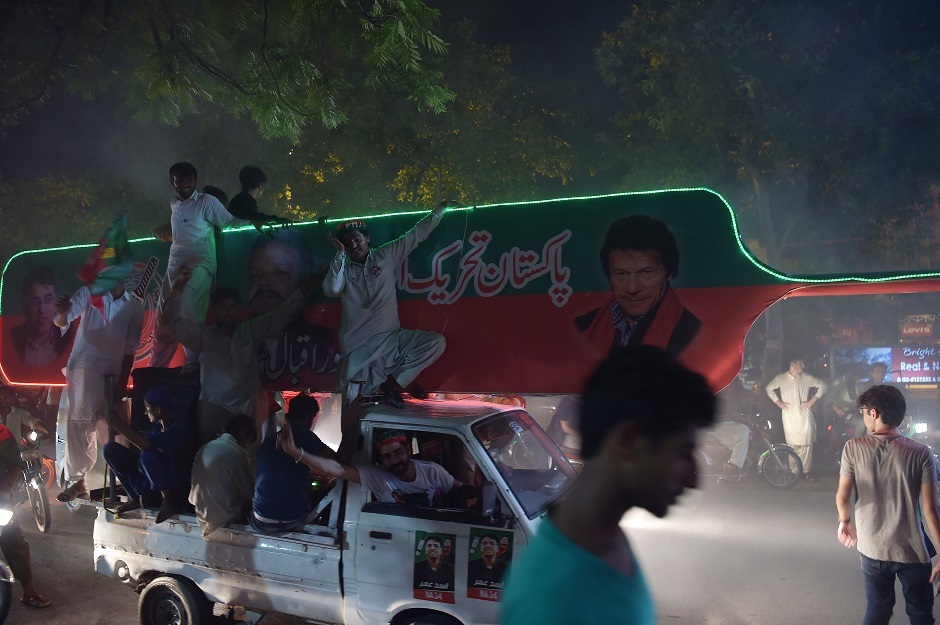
(245, 204)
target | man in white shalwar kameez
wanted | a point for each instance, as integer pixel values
(105, 344)
(378, 355)
(793, 392)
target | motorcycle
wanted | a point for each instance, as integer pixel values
(778, 464)
(31, 484)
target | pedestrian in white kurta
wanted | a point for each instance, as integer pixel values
(792, 392)
(376, 352)
(104, 345)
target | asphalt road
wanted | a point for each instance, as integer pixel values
(749, 554)
(727, 554)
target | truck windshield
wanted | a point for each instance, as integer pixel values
(535, 469)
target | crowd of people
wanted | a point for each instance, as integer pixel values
(637, 424)
(218, 462)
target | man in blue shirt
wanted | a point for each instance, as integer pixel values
(282, 487)
(158, 475)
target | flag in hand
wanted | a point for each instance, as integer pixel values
(109, 264)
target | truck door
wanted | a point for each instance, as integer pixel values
(446, 557)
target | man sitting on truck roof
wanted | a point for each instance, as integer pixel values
(400, 479)
(378, 355)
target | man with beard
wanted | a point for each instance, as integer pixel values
(377, 353)
(194, 217)
(279, 262)
(400, 479)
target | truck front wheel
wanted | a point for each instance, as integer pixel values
(173, 601)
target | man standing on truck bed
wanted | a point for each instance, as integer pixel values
(376, 351)
(400, 479)
(227, 351)
(106, 343)
(640, 417)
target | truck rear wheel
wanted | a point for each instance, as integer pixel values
(173, 601)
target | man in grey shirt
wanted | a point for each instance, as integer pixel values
(378, 355)
(893, 476)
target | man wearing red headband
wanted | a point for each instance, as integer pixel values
(400, 479)
(377, 353)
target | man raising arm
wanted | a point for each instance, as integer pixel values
(400, 479)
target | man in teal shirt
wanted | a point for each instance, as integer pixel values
(640, 417)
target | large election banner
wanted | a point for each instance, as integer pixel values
(527, 295)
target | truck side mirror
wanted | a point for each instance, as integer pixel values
(488, 500)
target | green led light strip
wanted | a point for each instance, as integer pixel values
(734, 222)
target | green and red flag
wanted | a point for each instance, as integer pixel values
(109, 264)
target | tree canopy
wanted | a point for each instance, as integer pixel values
(815, 116)
(285, 65)
(499, 140)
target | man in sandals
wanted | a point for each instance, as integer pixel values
(377, 353)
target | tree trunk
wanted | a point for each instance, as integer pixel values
(773, 319)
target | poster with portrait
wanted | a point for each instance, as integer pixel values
(488, 560)
(434, 567)
(529, 296)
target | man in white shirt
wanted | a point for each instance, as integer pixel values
(793, 392)
(194, 217)
(106, 342)
(223, 482)
(376, 352)
(400, 479)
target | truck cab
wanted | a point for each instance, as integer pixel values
(362, 560)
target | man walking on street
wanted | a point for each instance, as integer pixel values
(640, 418)
(793, 392)
(893, 476)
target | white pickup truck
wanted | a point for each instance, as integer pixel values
(361, 561)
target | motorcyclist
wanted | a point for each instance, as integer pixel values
(731, 431)
(14, 546)
(840, 404)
